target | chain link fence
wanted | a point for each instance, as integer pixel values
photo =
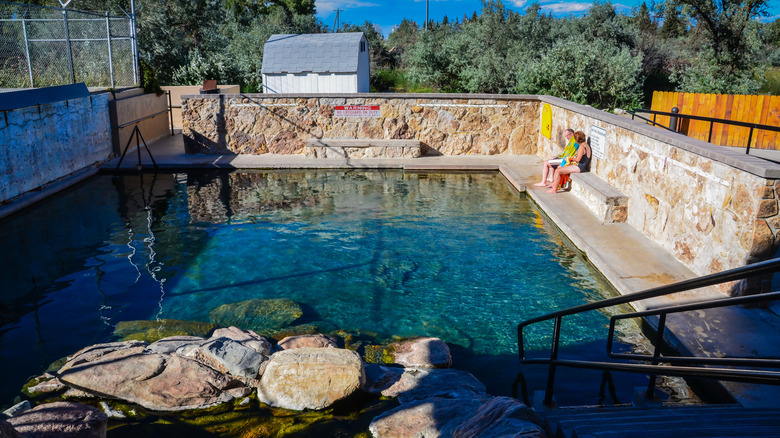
(43, 46)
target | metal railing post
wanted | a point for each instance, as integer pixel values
(750, 140)
(27, 52)
(674, 120)
(548, 393)
(110, 54)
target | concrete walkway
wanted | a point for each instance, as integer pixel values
(629, 260)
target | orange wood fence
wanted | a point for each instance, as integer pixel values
(764, 110)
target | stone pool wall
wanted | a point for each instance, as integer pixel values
(45, 142)
(448, 124)
(712, 207)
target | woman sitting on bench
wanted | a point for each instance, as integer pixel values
(577, 164)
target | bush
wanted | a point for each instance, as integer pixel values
(597, 73)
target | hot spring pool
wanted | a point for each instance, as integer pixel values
(462, 257)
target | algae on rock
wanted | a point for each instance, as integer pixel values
(263, 316)
(153, 331)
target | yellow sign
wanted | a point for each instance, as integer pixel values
(547, 121)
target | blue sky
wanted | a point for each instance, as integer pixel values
(387, 14)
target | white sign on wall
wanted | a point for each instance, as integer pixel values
(598, 141)
(357, 111)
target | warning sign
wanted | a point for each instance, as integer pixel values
(357, 111)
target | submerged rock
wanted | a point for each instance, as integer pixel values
(155, 381)
(310, 378)
(262, 316)
(151, 331)
(61, 419)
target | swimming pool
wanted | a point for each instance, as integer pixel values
(379, 254)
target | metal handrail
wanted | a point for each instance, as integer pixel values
(712, 120)
(682, 369)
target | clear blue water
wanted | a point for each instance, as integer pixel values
(462, 257)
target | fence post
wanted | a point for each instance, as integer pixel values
(673, 120)
(136, 76)
(110, 55)
(27, 51)
(67, 42)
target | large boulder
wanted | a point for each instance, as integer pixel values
(170, 344)
(246, 337)
(8, 431)
(226, 356)
(421, 353)
(61, 420)
(421, 383)
(502, 417)
(307, 341)
(262, 316)
(310, 378)
(96, 351)
(429, 418)
(155, 381)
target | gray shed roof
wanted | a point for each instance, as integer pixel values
(317, 53)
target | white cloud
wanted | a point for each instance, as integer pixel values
(566, 8)
(518, 3)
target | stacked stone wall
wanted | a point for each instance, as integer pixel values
(710, 215)
(253, 124)
(46, 142)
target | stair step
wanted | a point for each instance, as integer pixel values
(660, 422)
(693, 432)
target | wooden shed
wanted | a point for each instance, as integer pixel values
(316, 63)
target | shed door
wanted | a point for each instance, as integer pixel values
(305, 83)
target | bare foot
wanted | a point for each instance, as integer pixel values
(552, 191)
(541, 184)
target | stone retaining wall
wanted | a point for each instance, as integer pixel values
(713, 208)
(445, 124)
(45, 142)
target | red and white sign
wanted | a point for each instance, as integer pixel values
(357, 111)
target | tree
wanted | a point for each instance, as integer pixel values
(726, 23)
(597, 73)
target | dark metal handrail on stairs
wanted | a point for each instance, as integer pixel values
(740, 368)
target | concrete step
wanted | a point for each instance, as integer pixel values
(660, 422)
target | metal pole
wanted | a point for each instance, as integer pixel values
(548, 393)
(27, 51)
(426, 14)
(134, 37)
(110, 54)
(70, 53)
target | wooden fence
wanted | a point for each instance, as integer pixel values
(764, 110)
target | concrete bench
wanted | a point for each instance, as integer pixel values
(605, 201)
(362, 148)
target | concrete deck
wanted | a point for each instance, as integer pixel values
(629, 260)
